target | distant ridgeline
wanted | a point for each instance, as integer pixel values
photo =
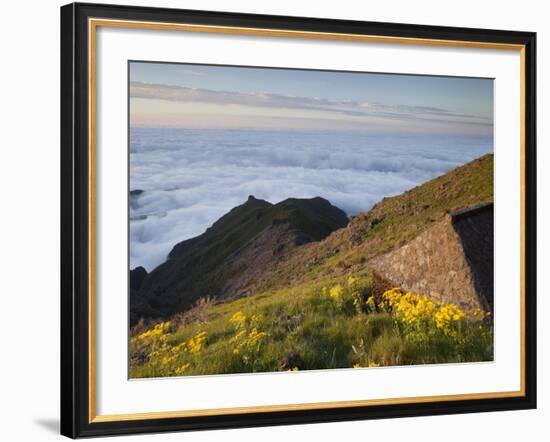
(435, 239)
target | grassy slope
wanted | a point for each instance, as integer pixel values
(389, 224)
(304, 327)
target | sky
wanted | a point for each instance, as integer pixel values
(226, 97)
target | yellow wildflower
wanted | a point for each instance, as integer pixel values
(158, 330)
(167, 359)
(238, 319)
(181, 369)
(195, 344)
(418, 313)
(336, 292)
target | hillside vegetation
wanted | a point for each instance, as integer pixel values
(316, 305)
(389, 224)
(237, 248)
(310, 327)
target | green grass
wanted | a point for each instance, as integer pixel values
(305, 329)
(404, 216)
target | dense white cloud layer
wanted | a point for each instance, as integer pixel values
(192, 177)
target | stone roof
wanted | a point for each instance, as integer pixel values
(471, 211)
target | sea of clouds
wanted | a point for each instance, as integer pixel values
(191, 177)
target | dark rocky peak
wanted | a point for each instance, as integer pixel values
(236, 219)
(137, 276)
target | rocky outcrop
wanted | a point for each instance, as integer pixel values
(451, 261)
(137, 276)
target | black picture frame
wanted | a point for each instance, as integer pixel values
(75, 219)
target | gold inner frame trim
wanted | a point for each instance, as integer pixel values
(93, 24)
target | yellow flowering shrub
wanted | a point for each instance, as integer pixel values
(238, 320)
(447, 315)
(337, 295)
(157, 331)
(350, 296)
(420, 316)
(248, 339)
(196, 343)
(164, 354)
(178, 371)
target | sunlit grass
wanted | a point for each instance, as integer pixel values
(335, 323)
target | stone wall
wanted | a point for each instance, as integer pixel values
(452, 261)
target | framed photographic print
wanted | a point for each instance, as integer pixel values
(278, 220)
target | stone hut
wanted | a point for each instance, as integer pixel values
(451, 261)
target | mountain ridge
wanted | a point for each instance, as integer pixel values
(236, 248)
(258, 247)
